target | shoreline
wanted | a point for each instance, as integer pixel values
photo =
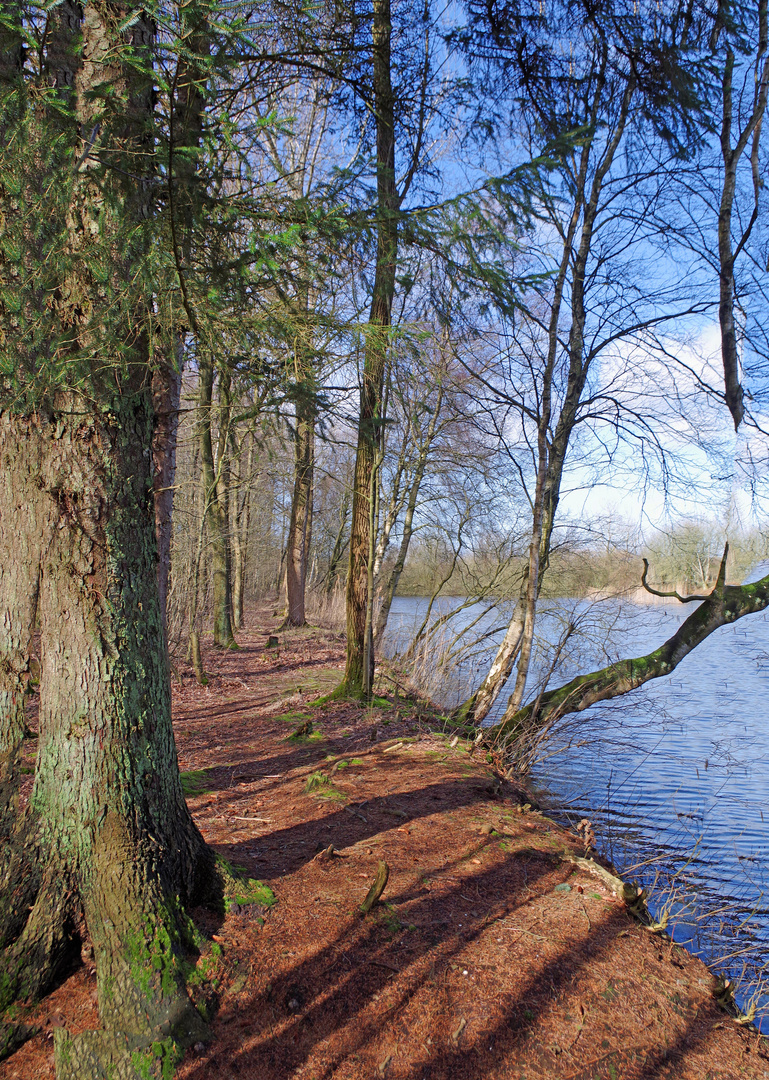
(492, 954)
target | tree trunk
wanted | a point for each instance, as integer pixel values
(106, 846)
(107, 835)
(24, 531)
(408, 518)
(340, 543)
(552, 451)
(482, 701)
(299, 530)
(532, 579)
(216, 488)
(166, 390)
(241, 531)
(726, 254)
(375, 356)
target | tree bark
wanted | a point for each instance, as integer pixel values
(375, 356)
(216, 487)
(24, 531)
(300, 526)
(113, 829)
(240, 528)
(166, 390)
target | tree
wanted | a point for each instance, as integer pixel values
(739, 125)
(734, 144)
(724, 605)
(358, 675)
(592, 109)
(106, 841)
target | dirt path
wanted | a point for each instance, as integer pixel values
(490, 955)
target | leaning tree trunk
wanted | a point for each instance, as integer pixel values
(723, 606)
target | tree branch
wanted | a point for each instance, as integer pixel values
(717, 588)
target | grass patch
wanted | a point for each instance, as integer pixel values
(313, 737)
(196, 782)
(293, 717)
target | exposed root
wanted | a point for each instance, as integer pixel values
(44, 950)
(141, 947)
(143, 943)
(104, 1055)
(20, 880)
(12, 1036)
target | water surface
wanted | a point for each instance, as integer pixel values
(674, 776)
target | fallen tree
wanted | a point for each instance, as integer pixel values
(721, 607)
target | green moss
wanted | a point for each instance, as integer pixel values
(357, 761)
(195, 782)
(203, 971)
(155, 950)
(157, 1062)
(241, 889)
(319, 784)
(292, 717)
(308, 736)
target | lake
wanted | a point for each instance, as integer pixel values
(674, 776)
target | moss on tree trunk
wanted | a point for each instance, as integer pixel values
(107, 839)
(105, 848)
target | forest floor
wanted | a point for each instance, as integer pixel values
(489, 957)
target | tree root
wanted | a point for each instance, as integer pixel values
(12, 1036)
(143, 942)
(44, 950)
(104, 1055)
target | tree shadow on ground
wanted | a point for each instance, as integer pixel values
(339, 982)
(352, 824)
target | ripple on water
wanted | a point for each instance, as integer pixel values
(675, 776)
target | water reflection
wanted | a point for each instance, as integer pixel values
(674, 777)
